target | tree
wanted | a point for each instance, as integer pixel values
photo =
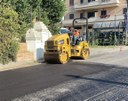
(55, 9)
(15, 17)
(8, 32)
(22, 7)
(49, 11)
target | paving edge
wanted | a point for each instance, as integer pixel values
(24, 65)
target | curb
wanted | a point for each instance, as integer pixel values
(17, 65)
(95, 52)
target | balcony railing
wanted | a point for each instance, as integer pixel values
(104, 16)
(97, 4)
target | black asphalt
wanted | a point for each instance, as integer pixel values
(19, 82)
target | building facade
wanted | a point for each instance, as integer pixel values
(97, 11)
(106, 20)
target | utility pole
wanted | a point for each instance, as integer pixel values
(126, 21)
(30, 16)
(115, 36)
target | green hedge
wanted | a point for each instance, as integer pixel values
(8, 34)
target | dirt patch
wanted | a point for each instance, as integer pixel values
(23, 54)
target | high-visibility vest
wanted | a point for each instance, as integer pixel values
(76, 33)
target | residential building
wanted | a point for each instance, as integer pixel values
(97, 12)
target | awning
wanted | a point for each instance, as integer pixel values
(115, 24)
(97, 25)
(110, 24)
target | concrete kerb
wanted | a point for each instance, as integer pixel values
(100, 51)
(16, 65)
(94, 52)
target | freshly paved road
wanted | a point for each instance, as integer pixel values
(73, 81)
(19, 82)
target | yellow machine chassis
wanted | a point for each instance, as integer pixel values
(81, 50)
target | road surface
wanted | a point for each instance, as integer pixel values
(99, 78)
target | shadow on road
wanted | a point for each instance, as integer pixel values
(120, 69)
(98, 80)
(94, 64)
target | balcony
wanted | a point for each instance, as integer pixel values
(104, 16)
(68, 22)
(93, 20)
(110, 18)
(97, 4)
(79, 22)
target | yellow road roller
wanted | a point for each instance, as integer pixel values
(60, 48)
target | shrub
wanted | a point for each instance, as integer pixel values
(8, 32)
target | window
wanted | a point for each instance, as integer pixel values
(91, 14)
(71, 16)
(61, 42)
(90, 0)
(124, 10)
(81, 15)
(103, 12)
(71, 2)
(81, 1)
